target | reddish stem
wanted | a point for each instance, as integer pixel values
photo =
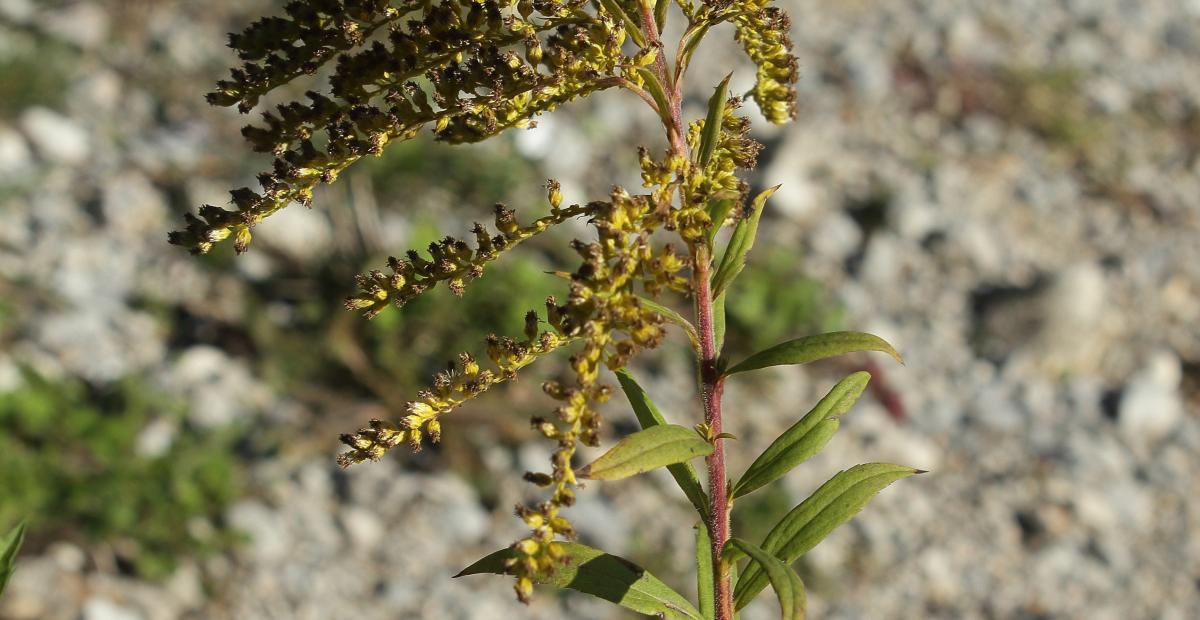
(711, 382)
(712, 385)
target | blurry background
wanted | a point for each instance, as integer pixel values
(1007, 191)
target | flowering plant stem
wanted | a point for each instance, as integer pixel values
(711, 382)
(486, 66)
(711, 387)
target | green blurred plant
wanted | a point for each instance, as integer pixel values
(10, 545)
(36, 71)
(469, 70)
(776, 300)
(69, 462)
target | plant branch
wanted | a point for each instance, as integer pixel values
(674, 122)
(711, 383)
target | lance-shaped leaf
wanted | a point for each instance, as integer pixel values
(813, 348)
(739, 246)
(673, 317)
(787, 585)
(805, 438)
(654, 447)
(10, 544)
(718, 211)
(704, 573)
(657, 92)
(605, 576)
(649, 416)
(833, 504)
(712, 123)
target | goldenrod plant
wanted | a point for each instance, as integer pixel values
(468, 70)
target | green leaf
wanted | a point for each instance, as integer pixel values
(813, 348)
(9, 546)
(833, 504)
(787, 585)
(649, 416)
(654, 447)
(605, 576)
(718, 212)
(739, 246)
(631, 27)
(804, 439)
(704, 573)
(689, 42)
(719, 321)
(733, 580)
(711, 133)
(660, 13)
(657, 92)
(673, 317)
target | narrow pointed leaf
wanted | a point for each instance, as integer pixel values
(657, 446)
(10, 544)
(704, 573)
(649, 416)
(739, 246)
(657, 92)
(793, 600)
(673, 317)
(712, 123)
(718, 212)
(833, 504)
(689, 43)
(805, 438)
(605, 576)
(813, 348)
(733, 580)
(719, 321)
(660, 13)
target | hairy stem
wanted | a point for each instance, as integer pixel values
(711, 387)
(711, 383)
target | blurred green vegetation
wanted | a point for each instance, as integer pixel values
(70, 465)
(773, 300)
(33, 73)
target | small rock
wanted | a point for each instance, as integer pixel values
(364, 527)
(269, 539)
(836, 236)
(67, 556)
(1152, 406)
(85, 24)
(15, 156)
(132, 205)
(304, 234)
(57, 138)
(156, 438)
(103, 609)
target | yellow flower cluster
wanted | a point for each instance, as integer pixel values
(699, 185)
(453, 260)
(451, 388)
(603, 310)
(468, 68)
(763, 32)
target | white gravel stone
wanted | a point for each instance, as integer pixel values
(1151, 406)
(57, 138)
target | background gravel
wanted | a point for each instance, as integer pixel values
(1007, 191)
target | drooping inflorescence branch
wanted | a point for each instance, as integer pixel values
(453, 260)
(467, 68)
